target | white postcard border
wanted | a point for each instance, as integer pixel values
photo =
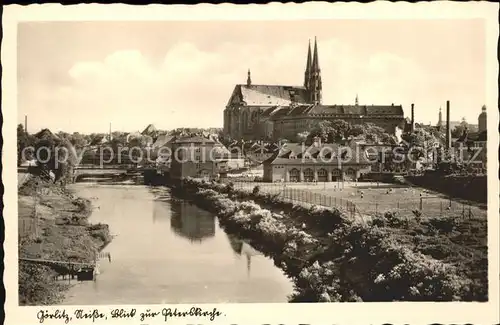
(350, 313)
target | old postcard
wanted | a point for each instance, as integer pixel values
(214, 164)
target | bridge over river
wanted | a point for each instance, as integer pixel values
(105, 171)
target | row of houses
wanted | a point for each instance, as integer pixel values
(297, 162)
(291, 162)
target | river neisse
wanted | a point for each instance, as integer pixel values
(166, 250)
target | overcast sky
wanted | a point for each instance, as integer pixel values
(76, 76)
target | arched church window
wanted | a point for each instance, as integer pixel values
(245, 119)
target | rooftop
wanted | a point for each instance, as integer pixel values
(359, 110)
(163, 140)
(194, 139)
(268, 95)
(327, 153)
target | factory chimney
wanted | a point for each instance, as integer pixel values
(448, 131)
(412, 117)
(26, 124)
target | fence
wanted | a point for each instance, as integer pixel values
(292, 193)
(26, 227)
(366, 199)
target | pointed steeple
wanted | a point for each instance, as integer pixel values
(356, 101)
(440, 119)
(307, 76)
(315, 63)
(249, 79)
(315, 87)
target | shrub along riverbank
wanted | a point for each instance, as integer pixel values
(332, 258)
(63, 234)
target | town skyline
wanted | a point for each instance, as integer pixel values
(185, 79)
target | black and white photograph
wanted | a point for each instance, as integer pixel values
(226, 161)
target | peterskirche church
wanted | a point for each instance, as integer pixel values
(271, 112)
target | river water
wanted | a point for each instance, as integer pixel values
(169, 251)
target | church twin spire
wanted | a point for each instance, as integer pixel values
(307, 77)
(312, 76)
(312, 79)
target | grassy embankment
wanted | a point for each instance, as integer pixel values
(64, 234)
(332, 258)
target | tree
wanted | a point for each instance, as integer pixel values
(139, 141)
(66, 161)
(338, 130)
(78, 140)
(55, 155)
(437, 133)
(357, 130)
(119, 138)
(376, 134)
(25, 145)
(63, 135)
(302, 136)
(421, 141)
(369, 132)
(45, 148)
(95, 138)
(320, 130)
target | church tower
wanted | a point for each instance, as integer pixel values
(307, 75)
(315, 84)
(440, 119)
(249, 79)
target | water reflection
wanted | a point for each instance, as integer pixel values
(188, 221)
(161, 206)
(236, 244)
(157, 256)
(242, 248)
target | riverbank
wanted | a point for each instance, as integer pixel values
(63, 234)
(333, 258)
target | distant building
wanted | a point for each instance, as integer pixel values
(279, 111)
(230, 162)
(227, 160)
(440, 120)
(481, 120)
(471, 147)
(193, 157)
(316, 163)
(150, 130)
(260, 151)
(163, 149)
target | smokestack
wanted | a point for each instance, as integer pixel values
(26, 124)
(448, 131)
(412, 117)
